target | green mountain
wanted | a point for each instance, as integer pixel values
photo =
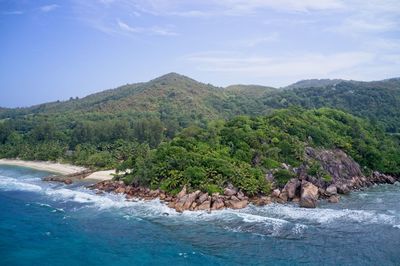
(184, 101)
(378, 101)
(173, 130)
(171, 90)
(309, 83)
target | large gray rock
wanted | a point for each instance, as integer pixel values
(337, 163)
(180, 203)
(309, 195)
(217, 204)
(202, 198)
(291, 188)
(205, 206)
(190, 199)
(182, 192)
(331, 190)
(276, 193)
(283, 197)
(342, 188)
(236, 204)
(334, 199)
(240, 195)
(230, 191)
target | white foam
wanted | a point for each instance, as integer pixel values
(87, 196)
(299, 229)
(251, 218)
(274, 216)
(12, 184)
(322, 215)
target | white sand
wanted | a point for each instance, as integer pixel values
(59, 168)
(101, 175)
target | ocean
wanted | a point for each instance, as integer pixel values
(55, 224)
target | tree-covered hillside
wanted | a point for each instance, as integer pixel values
(378, 101)
(168, 93)
(313, 83)
(178, 101)
(102, 129)
(242, 150)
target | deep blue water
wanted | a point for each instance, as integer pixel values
(54, 224)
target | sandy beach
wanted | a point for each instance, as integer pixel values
(101, 175)
(59, 168)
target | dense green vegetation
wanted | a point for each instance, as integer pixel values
(377, 101)
(173, 130)
(240, 151)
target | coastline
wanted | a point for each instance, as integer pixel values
(59, 168)
(298, 190)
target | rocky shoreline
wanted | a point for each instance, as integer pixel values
(304, 188)
(70, 178)
(303, 192)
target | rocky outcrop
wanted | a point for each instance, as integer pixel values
(276, 193)
(183, 201)
(336, 162)
(68, 179)
(344, 175)
(230, 191)
(261, 200)
(292, 188)
(331, 190)
(309, 195)
(334, 199)
(236, 204)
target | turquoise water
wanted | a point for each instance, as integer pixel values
(55, 224)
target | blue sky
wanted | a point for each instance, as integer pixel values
(51, 50)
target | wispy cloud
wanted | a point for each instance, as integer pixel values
(366, 23)
(201, 8)
(253, 42)
(126, 27)
(14, 12)
(155, 30)
(371, 16)
(288, 67)
(48, 8)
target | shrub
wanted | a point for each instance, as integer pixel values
(282, 176)
(211, 188)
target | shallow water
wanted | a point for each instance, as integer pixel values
(53, 224)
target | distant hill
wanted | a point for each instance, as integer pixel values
(310, 83)
(377, 100)
(167, 96)
(168, 91)
(174, 97)
(250, 90)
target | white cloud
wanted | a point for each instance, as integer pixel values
(155, 30)
(48, 8)
(14, 12)
(289, 67)
(128, 28)
(246, 6)
(370, 16)
(201, 8)
(253, 42)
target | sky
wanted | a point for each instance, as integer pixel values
(53, 50)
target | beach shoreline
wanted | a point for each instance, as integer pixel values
(59, 168)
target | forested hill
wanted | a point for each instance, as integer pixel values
(103, 129)
(178, 98)
(378, 101)
(309, 83)
(168, 91)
